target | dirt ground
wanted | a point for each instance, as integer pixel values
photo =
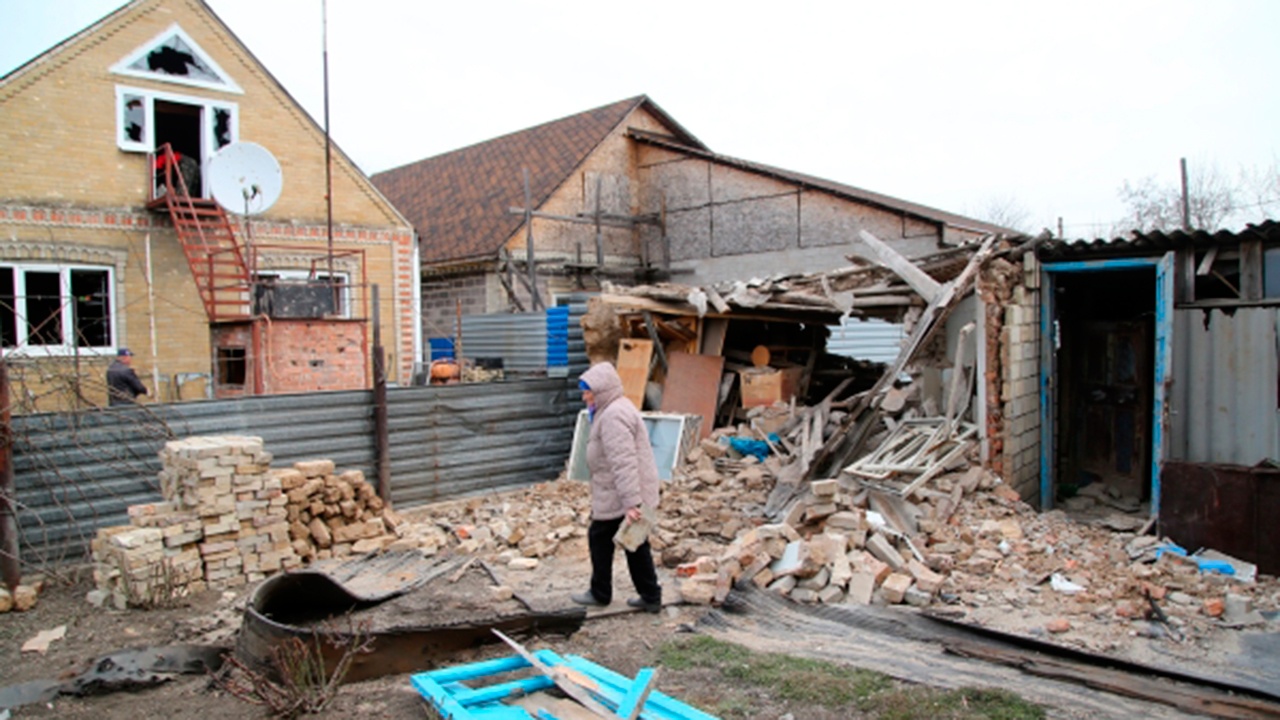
(625, 642)
(615, 637)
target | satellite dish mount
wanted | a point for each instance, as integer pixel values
(245, 180)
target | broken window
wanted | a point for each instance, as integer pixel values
(232, 368)
(55, 308)
(298, 294)
(147, 117)
(173, 56)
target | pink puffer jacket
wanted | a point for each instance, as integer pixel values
(619, 456)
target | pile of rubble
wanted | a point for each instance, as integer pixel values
(229, 518)
(964, 543)
(332, 514)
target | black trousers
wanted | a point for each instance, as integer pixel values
(639, 563)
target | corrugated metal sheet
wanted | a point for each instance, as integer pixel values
(873, 340)
(77, 473)
(576, 346)
(1153, 243)
(1226, 403)
(450, 441)
(520, 339)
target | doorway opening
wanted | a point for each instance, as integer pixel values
(1105, 331)
(181, 126)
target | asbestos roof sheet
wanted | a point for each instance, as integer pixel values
(1154, 243)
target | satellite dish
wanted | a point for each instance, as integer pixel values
(245, 178)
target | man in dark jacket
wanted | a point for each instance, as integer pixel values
(123, 384)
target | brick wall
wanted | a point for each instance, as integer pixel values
(66, 181)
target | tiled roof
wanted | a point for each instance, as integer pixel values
(1154, 242)
(458, 201)
(887, 202)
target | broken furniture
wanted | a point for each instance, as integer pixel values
(518, 694)
(915, 452)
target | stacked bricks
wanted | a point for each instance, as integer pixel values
(141, 566)
(226, 483)
(228, 519)
(331, 514)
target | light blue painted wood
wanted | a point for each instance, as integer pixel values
(1048, 354)
(456, 701)
(1163, 267)
(636, 694)
(1163, 375)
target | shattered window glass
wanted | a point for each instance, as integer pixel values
(135, 118)
(176, 58)
(221, 127)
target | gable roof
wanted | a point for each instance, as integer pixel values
(886, 202)
(458, 201)
(101, 31)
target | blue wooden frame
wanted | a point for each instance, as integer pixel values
(445, 689)
(1163, 267)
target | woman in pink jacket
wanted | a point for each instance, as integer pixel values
(624, 478)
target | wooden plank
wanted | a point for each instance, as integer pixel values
(634, 357)
(1191, 698)
(918, 279)
(693, 387)
(633, 702)
(561, 678)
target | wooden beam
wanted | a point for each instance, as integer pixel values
(572, 685)
(620, 221)
(918, 279)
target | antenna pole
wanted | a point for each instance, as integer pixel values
(328, 149)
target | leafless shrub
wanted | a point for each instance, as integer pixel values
(298, 681)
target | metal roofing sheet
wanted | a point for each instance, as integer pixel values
(1226, 399)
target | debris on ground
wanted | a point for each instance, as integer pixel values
(589, 688)
(43, 639)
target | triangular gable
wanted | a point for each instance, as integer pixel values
(459, 201)
(172, 56)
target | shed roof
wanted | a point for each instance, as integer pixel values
(1155, 242)
(458, 201)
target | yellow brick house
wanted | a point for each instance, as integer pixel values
(110, 236)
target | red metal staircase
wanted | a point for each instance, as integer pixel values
(207, 239)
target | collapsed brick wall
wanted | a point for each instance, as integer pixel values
(1010, 293)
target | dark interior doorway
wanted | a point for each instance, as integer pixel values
(181, 126)
(1106, 328)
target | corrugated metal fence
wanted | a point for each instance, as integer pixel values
(78, 472)
(1226, 403)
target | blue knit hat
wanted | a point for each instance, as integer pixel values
(583, 384)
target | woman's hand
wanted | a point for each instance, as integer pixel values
(634, 514)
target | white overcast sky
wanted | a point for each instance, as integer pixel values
(952, 104)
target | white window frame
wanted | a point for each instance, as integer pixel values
(66, 348)
(227, 85)
(149, 98)
(287, 276)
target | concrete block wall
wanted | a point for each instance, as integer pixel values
(1021, 383)
(441, 295)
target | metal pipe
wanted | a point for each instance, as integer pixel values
(328, 144)
(380, 423)
(9, 567)
(151, 310)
